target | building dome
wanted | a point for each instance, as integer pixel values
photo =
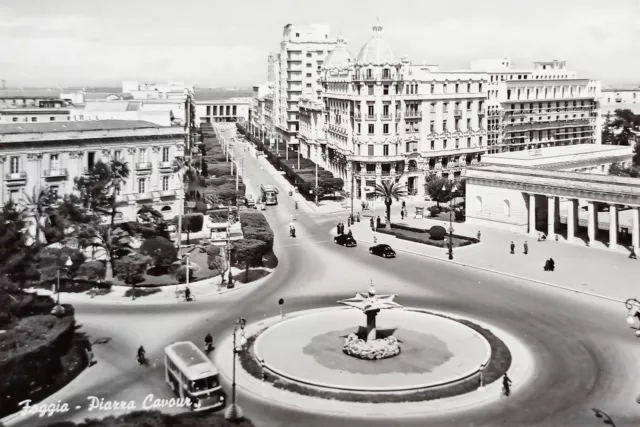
(376, 51)
(340, 58)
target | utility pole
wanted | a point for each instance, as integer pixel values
(353, 181)
(316, 183)
(298, 155)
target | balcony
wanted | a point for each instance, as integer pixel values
(398, 116)
(457, 112)
(165, 166)
(357, 116)
(15, 179)
(411, 169)
(409, 114)
(55, 173)
(370, 78)
(386, 117)
(371, 116)
(143, 168)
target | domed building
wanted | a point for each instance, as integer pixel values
(384, 118)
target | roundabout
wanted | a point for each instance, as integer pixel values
(435, 351)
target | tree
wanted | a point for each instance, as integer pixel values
(37, 209)
(91, 270)
(132, 268)
(154, 220)
(217, 260)
(636, 156)
(113, 243)
(18, 260)
(248, 252)
(622, 129)
(191, 223)
(187, 172)
(390, 190)
(160, 250)
(440, 190)
(49, 260)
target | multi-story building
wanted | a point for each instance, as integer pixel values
(145, 91)
(297, 68)
(272, 62)
(621, 98)
(223, 110)
(546, 106)
(258, 113)
(35, 155)
(384, 118)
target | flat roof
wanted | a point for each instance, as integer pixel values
(551, 152)
(86, 125)
(546, 157)
(30, 93)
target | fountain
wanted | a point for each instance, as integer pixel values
(371, 347)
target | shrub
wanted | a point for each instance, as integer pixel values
(213, 182)
(180, 272)
(219, 169)
(141, 292)
(49, 260)
(92, 270)
(227, 192)
(161, 250)
(437, 232)
(201, 207)
(459, 215)
(221, 215)
(131, 269)
(191, 223)
(248, 253)
(255, 226)
(30, 356)
(433, 210)
(408, 228)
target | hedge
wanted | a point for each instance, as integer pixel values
(30, 357)
(157, 418)
(255, 226)
(424, 237)
(408, 228)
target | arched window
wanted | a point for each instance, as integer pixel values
(507, 208)
(166, 209)
(478, 204)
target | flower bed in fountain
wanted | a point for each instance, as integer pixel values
(371, 350)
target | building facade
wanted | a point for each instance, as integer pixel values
(38, 155)
(297, 68)
(620, 99)
(258, 122)
(223, 110)
(383, 118)
(545, 106)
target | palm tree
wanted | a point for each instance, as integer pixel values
(37, 211)
(184, 169)
(112, 242)
(390, 190)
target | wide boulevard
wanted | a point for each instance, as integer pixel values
(583, 350)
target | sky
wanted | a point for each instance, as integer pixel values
(216, 43)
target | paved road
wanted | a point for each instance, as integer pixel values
(582, 347)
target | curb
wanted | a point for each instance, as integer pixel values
(514, 276)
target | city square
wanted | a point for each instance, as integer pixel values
(362, 240)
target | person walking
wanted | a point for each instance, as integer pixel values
(358, 216)
(479, 234)
(506, 385)
(526, 248)
(632, 254)
(402, 215)
(513, 248)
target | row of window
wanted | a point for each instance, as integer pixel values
(528, 93)
(411, 147)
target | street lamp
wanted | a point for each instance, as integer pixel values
(453, 190)
(633, 312)
(58, 310)
(233, 412)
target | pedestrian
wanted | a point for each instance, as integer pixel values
(479, 234)
(526, 248)
(632, 255)
(349, 222)
(402, 215)
(363, 205)
(375, 240)
(358, 216)
(513, 248)
(552, 264)
(371, 223)
(506, 385)
(404, 204)
(349, 233)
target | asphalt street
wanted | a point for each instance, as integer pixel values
(585, 354)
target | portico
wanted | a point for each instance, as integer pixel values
(532, 200)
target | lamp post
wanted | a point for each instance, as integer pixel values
(58, 310)
(233, 412)
(633, 313)
(453, 190)
(186, 259)
(230, 219)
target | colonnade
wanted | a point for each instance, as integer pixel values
(553, 219)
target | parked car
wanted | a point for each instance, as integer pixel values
(382, 250)
(345, 240)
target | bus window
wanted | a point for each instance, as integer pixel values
(204, 383)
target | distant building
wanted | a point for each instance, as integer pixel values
(232, 110)
(259, 113)
(36, 155)
(272, 62)
(620, 99)
(298, 64)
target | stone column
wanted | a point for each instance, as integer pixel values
(591, 218)
(635, 239)
(532, 214)
(551, 217)
(363, 184)
(572, 219)
(613, 226)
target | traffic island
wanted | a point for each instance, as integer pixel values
(441, 357)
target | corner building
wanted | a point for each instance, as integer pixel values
(384, 118)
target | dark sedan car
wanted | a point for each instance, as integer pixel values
(384, 251)
(345, 240)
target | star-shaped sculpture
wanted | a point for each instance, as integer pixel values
(371, 302)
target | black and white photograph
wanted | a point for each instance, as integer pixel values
(279, 213)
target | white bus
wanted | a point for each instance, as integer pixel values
(191, 374)
(269, 194)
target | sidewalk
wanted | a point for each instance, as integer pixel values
(202, 289)
(599, 271)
